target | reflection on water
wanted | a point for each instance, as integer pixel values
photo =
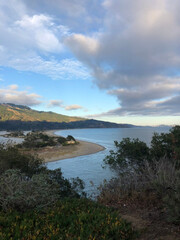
(10, 140)
(89, 168)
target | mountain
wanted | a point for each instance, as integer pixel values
(19, 117)
(11, 111)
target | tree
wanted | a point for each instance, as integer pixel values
(134, 153)
(167, 145)
(128, 152)
(12, 158)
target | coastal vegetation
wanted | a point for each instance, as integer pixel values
(148, 181)
(37, 139)
(68, 219)
(38, 203)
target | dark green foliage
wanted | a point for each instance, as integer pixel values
(38, 140)
(142, 170)
(70, 138)
(129, 152)
(68, 188)
(71, 219)
(12, 158)
(17, 191)
(61, 140)
(167, 145)
(25, 183)
(172, 202)
(134, 152)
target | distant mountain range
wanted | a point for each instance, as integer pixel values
(19, 117)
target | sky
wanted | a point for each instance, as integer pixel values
(111, 60)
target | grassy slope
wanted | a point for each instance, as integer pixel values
(8, 112)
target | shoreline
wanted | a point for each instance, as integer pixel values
(83, 148)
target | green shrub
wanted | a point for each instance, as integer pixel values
(128, 152)
(144, 170)
(61, 140)
(70, 219)
(38, 140)
(12, 158)
(68, 188)
(22, 193)
(171, 201)
(167, 145)
(134, 153)
(70, 138)
(17, 191)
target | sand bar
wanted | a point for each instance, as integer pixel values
(50, 154)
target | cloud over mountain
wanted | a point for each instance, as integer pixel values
(12, 94)
(129, 49)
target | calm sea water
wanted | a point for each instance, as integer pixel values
(89, 168)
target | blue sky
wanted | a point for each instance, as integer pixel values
(113, 60)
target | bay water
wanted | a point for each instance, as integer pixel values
(90, 167)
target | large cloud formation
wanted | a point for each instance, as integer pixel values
(33, 41)
(12, 94)
(136, 55)
(130, 48)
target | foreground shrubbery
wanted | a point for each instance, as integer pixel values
(25, 182)
(70, 219)
(12, 158)
(17, 191)
(37, 203)
(147, 172)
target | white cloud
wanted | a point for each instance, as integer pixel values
(55, 103)
(60, 103)
(40, 31)
(137, 54)
(131, 48)
(64, 69)
(73, 107)
(13, 87)
(11, 94)
(34, 42)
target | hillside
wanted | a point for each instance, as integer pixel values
(19, 117)
(23, 113)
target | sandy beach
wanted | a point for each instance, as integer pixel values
(50, 154)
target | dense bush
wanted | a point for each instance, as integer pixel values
(168, 145)
(70, 138)
(144, 170)
(38, 139)
(22, 193)
(70, 219)
(61, 140)
(25, 182)
(134, 153)
(12, 158)
(129, 153)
